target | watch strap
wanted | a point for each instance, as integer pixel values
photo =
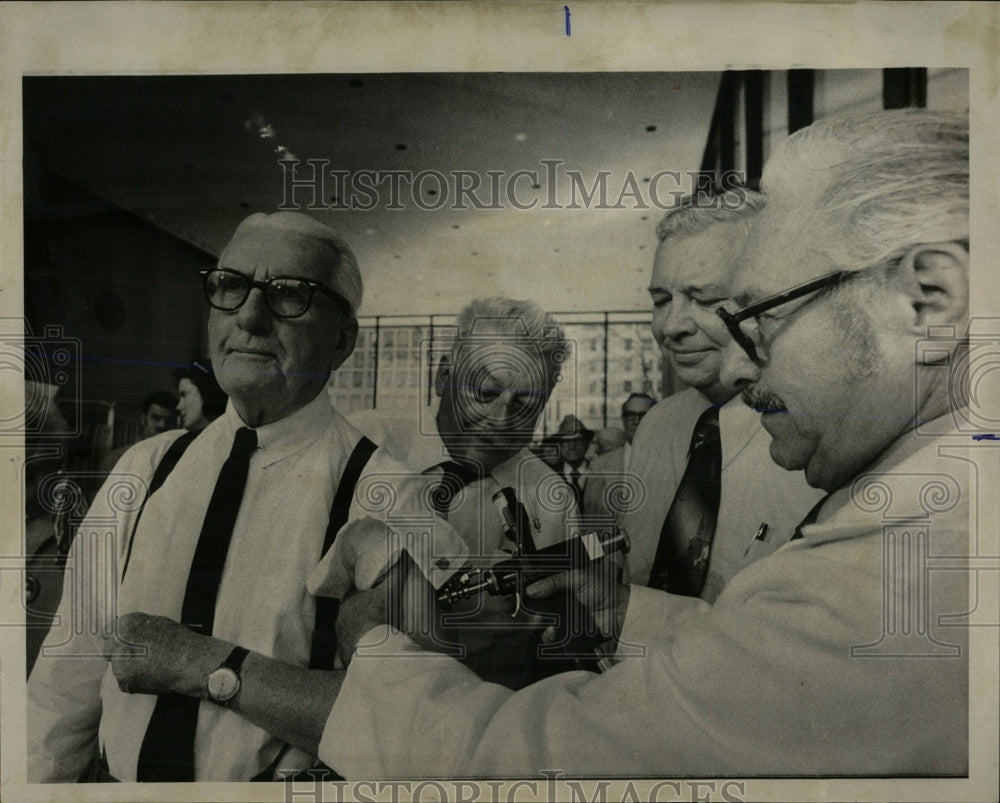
(235, 659)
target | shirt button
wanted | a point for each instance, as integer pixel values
(443, 563)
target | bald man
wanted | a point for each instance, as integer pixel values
(244, 622)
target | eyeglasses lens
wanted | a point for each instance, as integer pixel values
(227, 291)
(288, 297)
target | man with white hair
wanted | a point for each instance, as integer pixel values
(218, 579)
(843, 652)
(493, 381)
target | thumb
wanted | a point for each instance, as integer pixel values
(548, 586)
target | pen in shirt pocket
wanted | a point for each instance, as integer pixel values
(760, 535)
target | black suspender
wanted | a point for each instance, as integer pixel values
(324, 644)
(324, 633)
(166, 465)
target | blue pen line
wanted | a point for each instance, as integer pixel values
(566, 9)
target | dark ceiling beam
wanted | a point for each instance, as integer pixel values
(801, 93)
(720, 148)
(904, 87)
(753, 115)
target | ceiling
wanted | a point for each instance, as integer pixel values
(196, 154)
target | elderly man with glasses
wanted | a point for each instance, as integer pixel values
(225, 603)
(845, 652)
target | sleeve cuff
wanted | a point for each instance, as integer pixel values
(366, 548)
(651, 614)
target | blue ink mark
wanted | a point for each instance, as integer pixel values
(988, 437)
(566, 9)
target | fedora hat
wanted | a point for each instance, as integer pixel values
(573, 427)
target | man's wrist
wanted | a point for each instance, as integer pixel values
(211, 653)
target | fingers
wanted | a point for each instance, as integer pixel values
(550, 634)
(547, 586)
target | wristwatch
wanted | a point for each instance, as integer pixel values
(224, 682)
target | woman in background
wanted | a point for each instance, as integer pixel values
(201, 398)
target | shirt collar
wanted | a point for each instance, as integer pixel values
(427, 450)
(290, 434)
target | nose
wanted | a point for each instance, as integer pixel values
(254, 316)
(502, 412)
(675, 319)
(737, 369)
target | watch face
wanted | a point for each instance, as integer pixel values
(223, 684)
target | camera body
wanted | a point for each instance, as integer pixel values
(507, 577)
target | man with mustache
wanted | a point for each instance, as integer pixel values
(218, 580)
(492, 382)
(752, 505)
(845, 652)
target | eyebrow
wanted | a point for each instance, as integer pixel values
(709, 289)
(749, 295)
(693, 289)
(490, 382)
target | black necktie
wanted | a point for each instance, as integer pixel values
(681, 562)
(167, 752)
(455, 477)
(574, 481)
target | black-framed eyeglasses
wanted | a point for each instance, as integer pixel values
(734, 319)
(285, 296)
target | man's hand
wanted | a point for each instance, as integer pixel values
(156, 655)
(407, 601)
(359, 612)
(597, 588)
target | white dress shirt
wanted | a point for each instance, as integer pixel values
(501, 648)
(75, 707)
(418, 445)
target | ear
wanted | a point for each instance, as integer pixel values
(936, 279)
(345, 347)
(443, 376)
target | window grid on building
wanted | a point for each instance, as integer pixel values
(611, 355)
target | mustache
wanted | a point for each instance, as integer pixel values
(763, 401)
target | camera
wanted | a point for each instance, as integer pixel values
(507, 577)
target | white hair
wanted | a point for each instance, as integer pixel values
(345, 276)
(875, 184)
(697, 212)
(520, 320)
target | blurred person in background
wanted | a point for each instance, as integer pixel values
(158, 413)
(610, 466)
(201, 399)
(607, 440)
(53, 507)
(574, 440)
